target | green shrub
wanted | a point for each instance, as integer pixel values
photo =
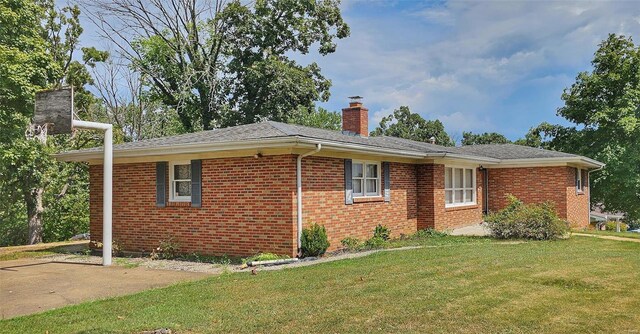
(428, 233)
(526, 221)
(611, 226)
(351, 244)
(375, 243)
(167, 250)
(314, 240)
(382, 232)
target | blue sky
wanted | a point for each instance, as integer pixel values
(477, 65)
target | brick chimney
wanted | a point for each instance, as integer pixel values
(355, 119)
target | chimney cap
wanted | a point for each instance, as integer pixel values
(355, 98)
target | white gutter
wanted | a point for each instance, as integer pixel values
(299, 191)
(508, 163)
(300, 142)
(107, 182)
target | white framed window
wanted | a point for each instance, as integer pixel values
(180, 181)
(579, 183)
(366, 178)
(459, 186)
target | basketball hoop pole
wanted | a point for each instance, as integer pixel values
(107, 195)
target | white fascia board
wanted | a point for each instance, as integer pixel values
(348, 147)
(178, 149)
(293, 142)
(302, 142)
(538, 162)
(463, 158)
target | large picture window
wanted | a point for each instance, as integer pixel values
(180, 181)
(366, 178)
(459, 186)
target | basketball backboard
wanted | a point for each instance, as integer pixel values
(54, 108)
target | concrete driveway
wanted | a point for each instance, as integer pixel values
(34, 285)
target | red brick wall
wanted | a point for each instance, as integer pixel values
(324, 203)
(537, 185)
(432, 212)
(577, 203)
(247, 207)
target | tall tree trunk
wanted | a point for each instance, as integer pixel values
(35, 209)
(33, 193)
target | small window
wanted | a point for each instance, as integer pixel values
(180, 182)
(459, 186)
(366, 178)
(579, 184)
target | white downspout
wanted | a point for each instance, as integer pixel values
(107, 194)
(299, 190)
(589, 195)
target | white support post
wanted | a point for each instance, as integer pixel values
(107, 185)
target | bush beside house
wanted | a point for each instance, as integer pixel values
(314, 241)
(526, 221)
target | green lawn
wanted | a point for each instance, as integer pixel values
(611, 233)
(576, 285)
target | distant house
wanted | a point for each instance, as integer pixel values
(599, 217)
(235, 190)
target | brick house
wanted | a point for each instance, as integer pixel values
(247, 189)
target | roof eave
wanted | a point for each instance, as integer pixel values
(291, 141)
(79, 156)
(579, 160)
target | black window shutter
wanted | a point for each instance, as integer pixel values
(161, 184)
(348, 182)
(196, 183)
(386, 172)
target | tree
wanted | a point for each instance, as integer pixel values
(25, 67)
(37, 45)
(469, 138)
(125, 104)
(603, 105)
(316, 118)
(405, 124)
(221, 64)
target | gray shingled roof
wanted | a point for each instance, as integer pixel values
(511, 151)
(271, 130)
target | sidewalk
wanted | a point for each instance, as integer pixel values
(38, 247)
(608, 237)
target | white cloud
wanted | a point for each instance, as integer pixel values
(460, 61)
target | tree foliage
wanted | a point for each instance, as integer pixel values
(37, 45)
(604, 105)
(316, 118)
(225, 63)
(405, 124)
(469, 138)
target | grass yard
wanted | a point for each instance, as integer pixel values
(578, 285)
